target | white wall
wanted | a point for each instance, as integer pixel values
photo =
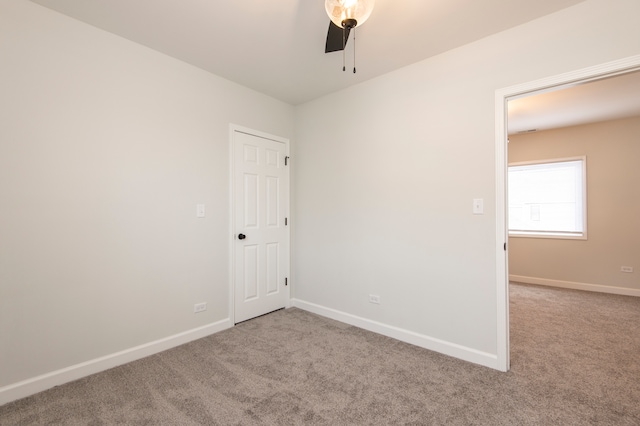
(386, 173)
(612, 149)
(106, 147)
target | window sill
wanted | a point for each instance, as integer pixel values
(548, 235)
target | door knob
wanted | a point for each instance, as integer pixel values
(241, 236)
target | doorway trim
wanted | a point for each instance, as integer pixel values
(608, 69)
(233, 128)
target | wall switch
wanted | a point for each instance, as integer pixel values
(199, 210)
(478, 206)
(199, 307)
(374, 298)
(627, 269)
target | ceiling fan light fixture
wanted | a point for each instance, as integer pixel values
(348, 13)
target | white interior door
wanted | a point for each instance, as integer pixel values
(261, 240)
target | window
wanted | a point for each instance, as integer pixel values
(548, 199)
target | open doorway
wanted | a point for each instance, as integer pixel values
(572, 158)
(503, 97)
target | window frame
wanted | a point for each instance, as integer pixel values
(549, 234)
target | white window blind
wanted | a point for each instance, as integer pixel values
(548, 198)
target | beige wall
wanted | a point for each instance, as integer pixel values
(613, 207)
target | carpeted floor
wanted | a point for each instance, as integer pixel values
(575, 361)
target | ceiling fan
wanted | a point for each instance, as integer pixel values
(345, 15)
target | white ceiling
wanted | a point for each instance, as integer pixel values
(605, 99)
(277, 46)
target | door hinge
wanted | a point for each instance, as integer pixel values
(505, 246)
(286, 281)
(286, 221)
(286, 161)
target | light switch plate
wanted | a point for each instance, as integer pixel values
(199, 210)
(478, 206)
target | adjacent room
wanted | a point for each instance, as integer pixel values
(596, 124)
(170, 172)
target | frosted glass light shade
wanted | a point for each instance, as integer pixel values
(341, 10)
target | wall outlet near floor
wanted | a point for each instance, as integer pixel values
(199, 307)
(374, 298)
(627, 269)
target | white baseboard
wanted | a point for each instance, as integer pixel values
(423, 341)
(55, 378)
(575, 286)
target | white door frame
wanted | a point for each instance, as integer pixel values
(608, 69)
(232, 225)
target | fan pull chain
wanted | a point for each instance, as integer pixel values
(344, 43)
(354, 50)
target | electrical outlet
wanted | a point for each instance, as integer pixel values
(199, 307)
(374, 298)
(627, 269)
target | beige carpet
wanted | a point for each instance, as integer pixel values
(575, 361)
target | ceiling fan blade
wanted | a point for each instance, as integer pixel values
(334, 38)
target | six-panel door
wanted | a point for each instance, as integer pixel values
(261, 203)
